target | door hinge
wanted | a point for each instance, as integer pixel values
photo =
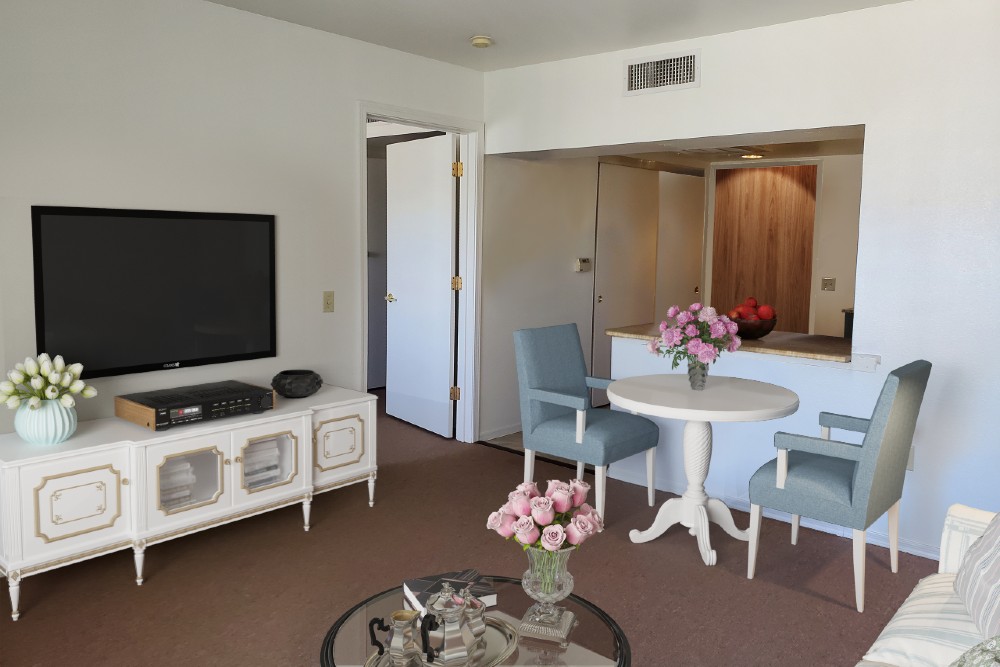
(457, 169)
(455, 393)
(456, 283)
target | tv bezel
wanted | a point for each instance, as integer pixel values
(167, 364)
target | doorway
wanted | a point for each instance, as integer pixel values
(419, 238)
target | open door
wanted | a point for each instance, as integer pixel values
(420, 256)
(625, 266)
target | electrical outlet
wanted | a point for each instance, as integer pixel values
(328, 302)
(829, 285)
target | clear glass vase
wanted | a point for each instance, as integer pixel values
(547, 581)
(697, 374)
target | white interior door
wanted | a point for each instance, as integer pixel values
(625, 262)
(420, 251)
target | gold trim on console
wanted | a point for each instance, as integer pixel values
(80, 556)
(319, 427)
(210, 501)
(273, 436)
(343, 482)
(226, 519)
(55, 496)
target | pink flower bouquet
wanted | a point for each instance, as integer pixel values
(698, 335)
(559, 519)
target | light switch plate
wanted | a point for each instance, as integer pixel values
(829, 285)
(328, 302)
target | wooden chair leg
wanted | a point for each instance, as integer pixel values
(579, 469)
(651, 475)
(600, 484)
(795, 529)
(894, 537)
(859, 569)
(754, 535)
(529, 465)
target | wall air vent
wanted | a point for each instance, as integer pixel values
(671, 72)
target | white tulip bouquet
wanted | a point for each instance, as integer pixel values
(44, 378)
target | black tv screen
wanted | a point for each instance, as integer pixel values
(125, 291)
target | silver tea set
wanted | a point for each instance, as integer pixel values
(451, 633)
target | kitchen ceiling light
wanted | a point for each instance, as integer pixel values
(481, 41)
(751, 156)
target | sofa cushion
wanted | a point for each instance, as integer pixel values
(978, 580)
(931, 628)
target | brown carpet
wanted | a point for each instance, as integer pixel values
(263, 592)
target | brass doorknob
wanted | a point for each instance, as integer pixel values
(389, 297)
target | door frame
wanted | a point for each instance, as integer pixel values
(467, 358)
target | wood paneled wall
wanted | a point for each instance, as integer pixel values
(763, 240)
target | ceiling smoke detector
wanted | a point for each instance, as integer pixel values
(481, 41)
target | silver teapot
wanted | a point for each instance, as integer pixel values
(452, 632)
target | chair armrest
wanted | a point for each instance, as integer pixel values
(559, 398)
(831, 420)
(963, 526)
(804, 443)
(598, 383)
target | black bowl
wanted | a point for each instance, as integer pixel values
(296, 383)
(752, 329)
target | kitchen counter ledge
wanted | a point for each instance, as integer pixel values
(783, 343)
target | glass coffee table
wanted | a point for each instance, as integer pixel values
(595, 641)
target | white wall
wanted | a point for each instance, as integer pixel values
(928, 232)
(538, 217)
(835, 242)
(679, 242)
(189, 105)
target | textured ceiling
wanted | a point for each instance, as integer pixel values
(533, 31)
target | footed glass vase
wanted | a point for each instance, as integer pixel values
(547, 581)
(697, 374)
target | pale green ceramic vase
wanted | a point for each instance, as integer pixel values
(48, 424)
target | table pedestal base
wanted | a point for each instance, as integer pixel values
(694, 509)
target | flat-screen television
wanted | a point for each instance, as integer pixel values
(126, 291)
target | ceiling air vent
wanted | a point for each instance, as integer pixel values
(672, 72)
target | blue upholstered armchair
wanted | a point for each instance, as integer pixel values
(843, 483)
(556, 416)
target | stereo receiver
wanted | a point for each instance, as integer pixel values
(159, 410)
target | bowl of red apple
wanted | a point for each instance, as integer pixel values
(753, 320)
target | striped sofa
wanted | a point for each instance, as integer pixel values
(932, 627)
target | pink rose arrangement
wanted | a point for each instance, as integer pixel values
(558, 519)
(698, 335)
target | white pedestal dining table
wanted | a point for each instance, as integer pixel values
(724, 399)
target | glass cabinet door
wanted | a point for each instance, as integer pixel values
(185, 476)
(267, 460)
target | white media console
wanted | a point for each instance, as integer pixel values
(115, 485)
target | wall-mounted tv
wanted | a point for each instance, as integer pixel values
(126, 291)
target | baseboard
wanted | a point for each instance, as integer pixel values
(931, 551)
(499, 432)
(879, 539)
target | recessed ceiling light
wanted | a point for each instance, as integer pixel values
(751, 156)
(481, 41)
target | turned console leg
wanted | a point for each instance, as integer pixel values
(306, 509)
(371, 491)
(139, 551)
(14, 586)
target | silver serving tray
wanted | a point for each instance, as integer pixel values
(501, 642)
